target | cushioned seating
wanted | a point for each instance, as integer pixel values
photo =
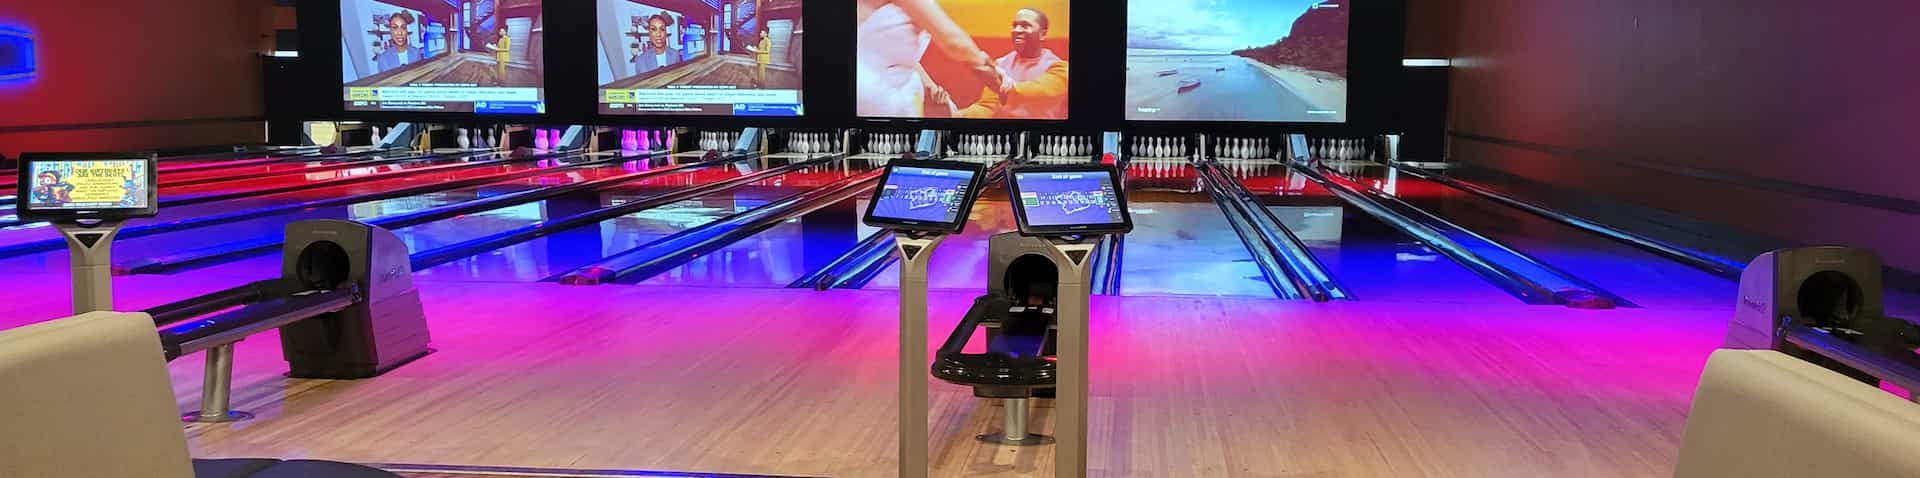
(1761, 413)
(262, 468)
(89, 396)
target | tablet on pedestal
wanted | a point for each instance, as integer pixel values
(925, 197)
(1068, 200)
(88, 196)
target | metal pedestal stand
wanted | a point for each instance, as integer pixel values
(915, 250)
(91, 244)
(1013, 427)
(1071, 256)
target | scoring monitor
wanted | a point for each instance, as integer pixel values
(925, 196)
(72, 186)
(1068, 200)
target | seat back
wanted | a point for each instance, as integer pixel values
(1761, 413)
(88, 396)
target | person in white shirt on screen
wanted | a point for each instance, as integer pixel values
(400, 49)
(892, 35)
(656, 52)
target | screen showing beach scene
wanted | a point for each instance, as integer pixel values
(1237, 60)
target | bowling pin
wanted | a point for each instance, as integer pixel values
(629, 140)
(540, 139)
(461, 139)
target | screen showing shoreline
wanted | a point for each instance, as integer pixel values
(1237, 60)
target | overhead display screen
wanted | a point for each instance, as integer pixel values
(1237, 60)
(466, 56)
(700, 57)
(1002, 59)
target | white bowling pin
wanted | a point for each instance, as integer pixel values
(460, 139)
(540, 139)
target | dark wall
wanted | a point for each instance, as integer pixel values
(1098, 61)
(135, 75)
(1745, 124)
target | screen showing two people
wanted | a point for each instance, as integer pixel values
(932, 196)
(962, 59)
(1237, 60)
(1068, 198)
(464, 56)
(76, 185)
(700, 57)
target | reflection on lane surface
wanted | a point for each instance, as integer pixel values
(274, 226)
(1181, 242)
(566, 250)
(779, 255)
(1638, 275)
(1374, 260)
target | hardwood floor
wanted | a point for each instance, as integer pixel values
(790, 382)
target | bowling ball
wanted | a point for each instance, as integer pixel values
(1580, 299)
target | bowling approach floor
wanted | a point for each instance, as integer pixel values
(1197, 370)
(800, 383)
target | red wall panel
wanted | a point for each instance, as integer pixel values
(1816, 94)
(118, 61)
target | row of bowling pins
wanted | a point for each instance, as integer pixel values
(546, 138)
(1159, 147)
(471, 138)
(889, 143)
(644, 139)
(1244, 168)
(715, 140)
(1241, 148)
(812, 143)
(1064, 146)
(985, 144)
(1341, 149)
(1164, 167)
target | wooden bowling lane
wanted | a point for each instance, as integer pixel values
(784, 382)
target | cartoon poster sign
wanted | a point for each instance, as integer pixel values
(105, 184)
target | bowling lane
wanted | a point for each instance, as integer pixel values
(273, 227)
(566, 250)
(289, 166)
(780, 255)
(1182, 243)
(1640, 276)
(1374, 260)
(41, 231)
(293, 179)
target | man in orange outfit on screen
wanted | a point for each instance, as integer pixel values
(1035, 79)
